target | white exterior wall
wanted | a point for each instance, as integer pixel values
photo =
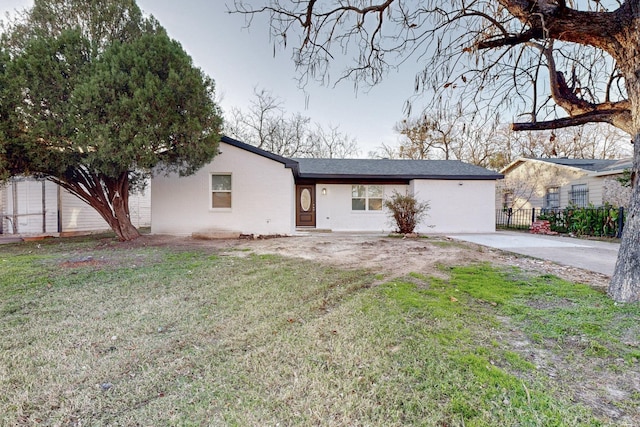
(454, 208)
(333, 210)
(457, 206)
(262, 197)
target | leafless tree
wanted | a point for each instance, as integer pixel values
(495, 146)
(417, 141)
(445, 135)
(479, 146)
(427, 137)
(557, 63)
(267, 125)
(384, 151)
(592, 141)
(330, 143)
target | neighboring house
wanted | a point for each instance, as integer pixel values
(555, 183)
(251, 191)
(38, 206)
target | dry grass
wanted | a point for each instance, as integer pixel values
(100, 335)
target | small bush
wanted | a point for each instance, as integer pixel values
(406, 211)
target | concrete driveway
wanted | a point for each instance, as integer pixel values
(589, 255)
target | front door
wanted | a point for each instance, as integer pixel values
(305, 205)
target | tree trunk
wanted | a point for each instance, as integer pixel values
(118, 219)
(123, 227)
(108, 196)
(118, 212)
(625, 283)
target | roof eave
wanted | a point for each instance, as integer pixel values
(609, 172)
(491, 177)
(513, 164)
(516, 162)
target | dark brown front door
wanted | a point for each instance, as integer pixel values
(305, 205)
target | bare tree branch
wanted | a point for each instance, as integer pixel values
(598, 116)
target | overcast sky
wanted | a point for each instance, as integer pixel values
(241, 59)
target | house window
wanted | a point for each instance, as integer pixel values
(552, 198)
(366, 197)
(221, 191)
(579, 195)
(507, 199)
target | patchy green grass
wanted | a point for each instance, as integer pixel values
(449, 243)
(95, 333)
(550, 308)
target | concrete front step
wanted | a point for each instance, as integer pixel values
(216, 234)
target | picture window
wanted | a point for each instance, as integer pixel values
(366, 197)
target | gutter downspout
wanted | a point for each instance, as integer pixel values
(59, 209)
(14, 216)
(44, 207)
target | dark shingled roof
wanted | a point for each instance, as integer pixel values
(392, 169)
(592, 165)
(373, 169)
(618, 165)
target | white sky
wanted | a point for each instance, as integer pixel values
(241, 59)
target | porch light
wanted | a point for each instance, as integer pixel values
(324, 191)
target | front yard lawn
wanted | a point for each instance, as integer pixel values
(102, 334)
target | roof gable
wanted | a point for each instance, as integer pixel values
(288, 163)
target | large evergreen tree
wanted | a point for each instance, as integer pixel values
(94, 97)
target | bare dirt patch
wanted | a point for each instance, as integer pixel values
(392, 257)
(88, 262)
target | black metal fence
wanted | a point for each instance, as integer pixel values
(606, 221)
(520, 219)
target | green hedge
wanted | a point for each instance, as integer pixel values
(589, 221)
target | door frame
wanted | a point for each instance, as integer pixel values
(306, 218)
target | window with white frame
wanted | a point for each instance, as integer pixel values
(220, 191)
(579, 195)
(552, 198)
(366, 197)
